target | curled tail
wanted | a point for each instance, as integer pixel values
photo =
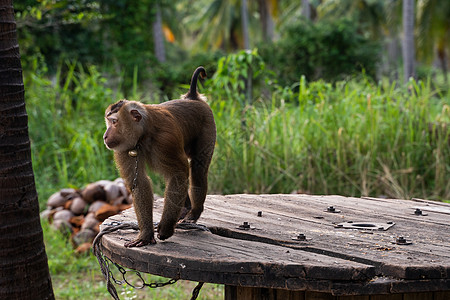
(193, 94)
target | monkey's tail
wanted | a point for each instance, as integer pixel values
(193, 94)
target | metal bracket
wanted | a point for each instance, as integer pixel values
(365, 225)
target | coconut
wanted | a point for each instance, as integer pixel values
(96, 206)
(90, 222)
(56, 200)
(62, 225)
(112, 191)
(103, 183)
(105, 212)
(119, 200)
(45, 214)
(92, 192)
(68, 204)
(78, 206)
(68, 192)
(63, 215)
(77, 221)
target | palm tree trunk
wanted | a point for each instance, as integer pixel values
(306, 9)
(408, 40)
(244, 16)
(158, 39)
(265, 12)
(443, 60)
(24, 270)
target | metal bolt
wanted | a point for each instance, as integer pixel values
(301, 237)
(332, 209)
(418, 212)
(401, 240)
(259, 213)
(245, 225)
(390, 222)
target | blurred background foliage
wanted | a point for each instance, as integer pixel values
(308, 95)
(161, 41)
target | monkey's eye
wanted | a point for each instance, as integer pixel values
(113, 121)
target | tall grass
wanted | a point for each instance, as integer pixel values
(356, 138)
(66, 128)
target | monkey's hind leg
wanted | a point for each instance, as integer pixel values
(198, 186)
(186, 209)
(174, 200)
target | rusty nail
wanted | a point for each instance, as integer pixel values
(259, 213)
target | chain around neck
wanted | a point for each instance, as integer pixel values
(134, 153)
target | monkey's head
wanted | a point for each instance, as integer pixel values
(124, 125)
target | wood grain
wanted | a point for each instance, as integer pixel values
(335, 261)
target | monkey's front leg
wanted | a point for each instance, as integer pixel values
(142, 198)
(143, 207)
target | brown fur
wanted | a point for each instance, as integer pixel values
(175, 139)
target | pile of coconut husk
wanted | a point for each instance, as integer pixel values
(80, 212)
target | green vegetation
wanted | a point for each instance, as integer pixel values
(324, 50)
(355, 138)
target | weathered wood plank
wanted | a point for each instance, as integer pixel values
(335, 261)
(284, 216)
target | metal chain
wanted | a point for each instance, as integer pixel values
(105, 262)
(124, 272)
(196, 290)
(135, 154)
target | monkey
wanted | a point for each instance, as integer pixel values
(175, 139)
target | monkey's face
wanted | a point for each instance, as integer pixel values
(113, 133)
(123, 127)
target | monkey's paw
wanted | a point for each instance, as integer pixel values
(139, 242)
(165, 232)
(191, 217)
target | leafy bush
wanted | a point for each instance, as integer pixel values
(237, 76)
(327, 50)
(173, 79)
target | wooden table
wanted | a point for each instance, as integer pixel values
(303, 247)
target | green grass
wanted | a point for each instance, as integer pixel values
(354, 138)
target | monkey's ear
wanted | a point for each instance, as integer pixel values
(136, 115)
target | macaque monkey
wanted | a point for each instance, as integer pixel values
(176, 139)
